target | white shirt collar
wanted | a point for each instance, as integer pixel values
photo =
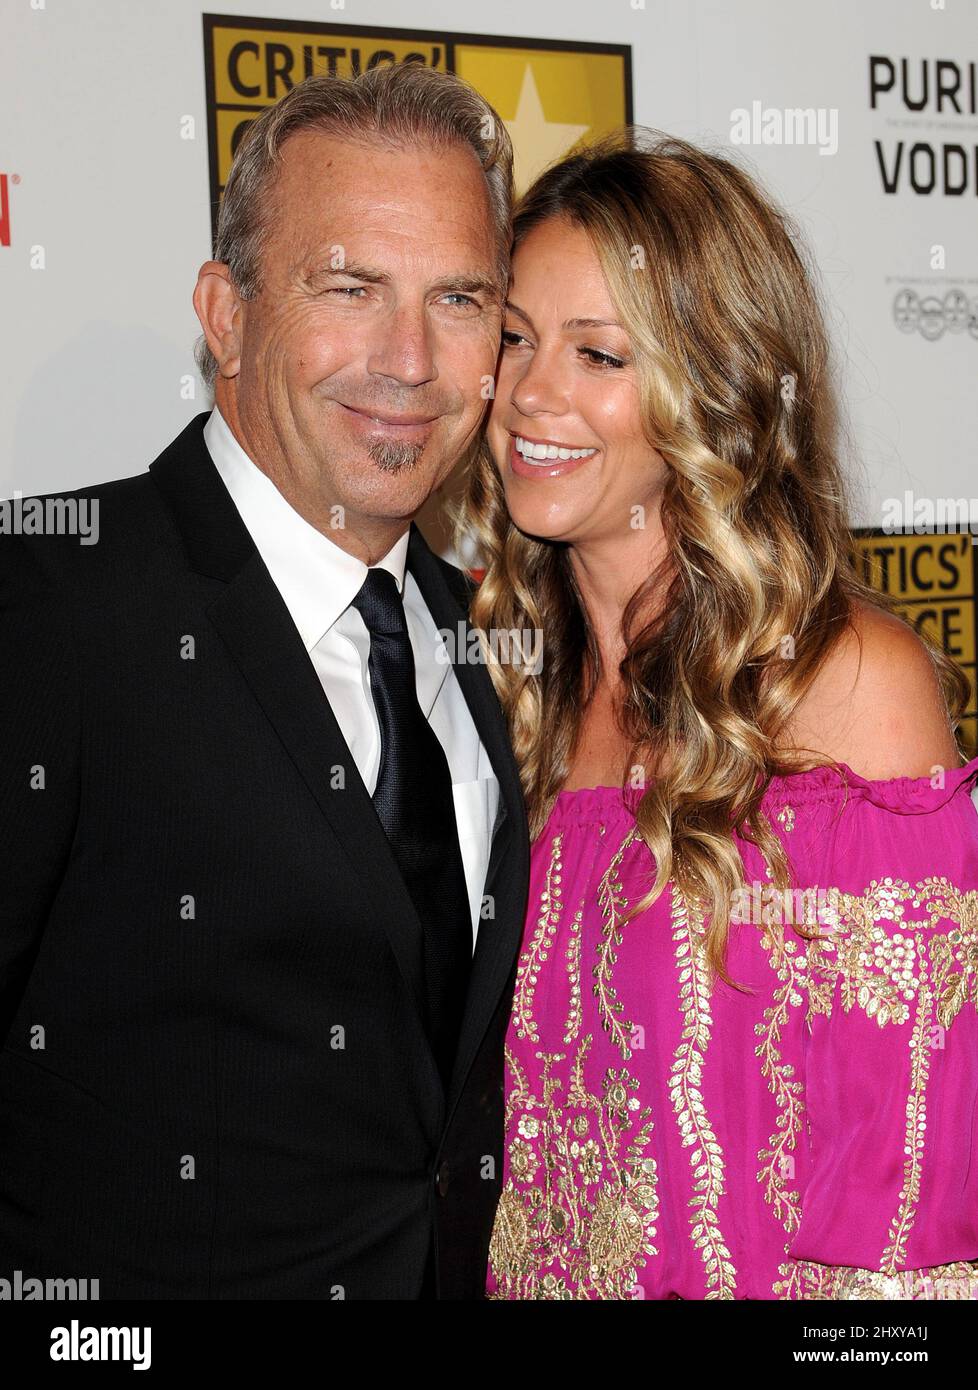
(317, 578)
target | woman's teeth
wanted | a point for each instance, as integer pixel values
(550, 451)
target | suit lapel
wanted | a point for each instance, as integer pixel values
(257, 628)
(252, 619)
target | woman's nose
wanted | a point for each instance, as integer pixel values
(541, 387)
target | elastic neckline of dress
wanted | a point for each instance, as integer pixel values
(907, 793)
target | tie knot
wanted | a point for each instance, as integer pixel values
(380, 604)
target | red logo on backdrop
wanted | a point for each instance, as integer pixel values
(5, 181)
(4, 212)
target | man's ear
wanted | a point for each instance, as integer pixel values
(219, 311)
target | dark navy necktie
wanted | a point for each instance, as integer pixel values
(414, 802)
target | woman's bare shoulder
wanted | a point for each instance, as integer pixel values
(876, 703)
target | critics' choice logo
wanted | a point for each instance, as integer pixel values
(933, 580)
(551, 94)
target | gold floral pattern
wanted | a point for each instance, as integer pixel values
(533, 958)
(886, 975)
(611, 899)
(686, 1080)
(776, 1160)
(580, 1206)
(804, 1280)
(582, 1224)
(572, 959)
(954, 955)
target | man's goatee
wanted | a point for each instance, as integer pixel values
(393, 455)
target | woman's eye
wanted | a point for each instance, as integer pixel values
(601, 359)
(510, 339)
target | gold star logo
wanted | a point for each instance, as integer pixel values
(537, 142)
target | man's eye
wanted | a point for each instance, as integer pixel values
(348, 289)
(462, 298)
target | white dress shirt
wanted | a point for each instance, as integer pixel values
(318, 581)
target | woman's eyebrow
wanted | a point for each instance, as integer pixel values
(520, 313)
(568, 323)
(591, 323)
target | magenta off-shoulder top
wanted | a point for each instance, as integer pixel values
(811, 1135)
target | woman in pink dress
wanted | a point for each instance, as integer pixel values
(742, 1060)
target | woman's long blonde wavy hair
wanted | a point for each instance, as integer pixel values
(727, 334)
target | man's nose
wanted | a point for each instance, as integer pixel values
(404, 350)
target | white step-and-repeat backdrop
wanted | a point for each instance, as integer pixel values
(120, 118)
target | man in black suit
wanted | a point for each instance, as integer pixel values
(264, 850)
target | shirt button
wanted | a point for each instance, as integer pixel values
(442, 1179)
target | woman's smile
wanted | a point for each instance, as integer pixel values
(545, 458)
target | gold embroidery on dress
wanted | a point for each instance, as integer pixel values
(788, 1092)
(536, 953)
(876, 971)
(896, 1251)
(805, 1280)
(577, 1215)
(958, 948)
(786, 817)
(791, 1284)
(884, 973)
(572, 958)
(518, 1094)
(686, 1082)
(610, 899)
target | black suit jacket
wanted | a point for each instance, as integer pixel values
(215, 1081)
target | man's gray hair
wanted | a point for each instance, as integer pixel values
(400, 104)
